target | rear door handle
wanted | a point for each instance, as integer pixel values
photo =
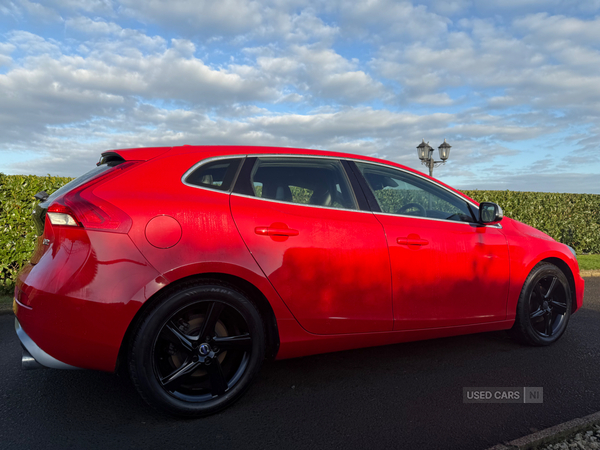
(275, 231)
(412, 241)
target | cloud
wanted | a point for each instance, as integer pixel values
(441, 99)
(555, 27)
(85, 6)
(500, 83)
(32, 44)
(225, 17)
(62, 88)
(5, 51)
(306, 26)
(543, 69)
(377, 19)
(10, 9)
(322, 73)
(36, 10)
(88, 25)
(356, 130)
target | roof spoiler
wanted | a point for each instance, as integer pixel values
(136, 154)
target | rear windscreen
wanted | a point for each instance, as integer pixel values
(98, 170)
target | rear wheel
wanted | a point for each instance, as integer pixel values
(544, 306)
(197, 351)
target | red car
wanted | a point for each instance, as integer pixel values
(191, 265)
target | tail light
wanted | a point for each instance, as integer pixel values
(61, 215)
(80, 207)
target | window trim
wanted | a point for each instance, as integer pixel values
(358, 176)
(364, 185)
(355, 160)
(243, 181)
(210, 160)
(359, 194)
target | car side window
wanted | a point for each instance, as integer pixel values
(399, 192)
(307, 181)
(217, 174)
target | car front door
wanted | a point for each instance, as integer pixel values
(327, 259)
(447, 270)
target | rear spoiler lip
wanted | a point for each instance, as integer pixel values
(138, 154)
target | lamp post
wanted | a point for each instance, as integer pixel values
(425, 152)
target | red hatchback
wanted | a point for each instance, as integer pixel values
(190, 265)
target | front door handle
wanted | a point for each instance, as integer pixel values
(412, 241)
(276, 229)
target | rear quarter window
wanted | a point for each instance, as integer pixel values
(218, 175)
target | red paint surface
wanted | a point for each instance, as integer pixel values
(83, 296)
(460, 277)
(334, 275)
(346, 279)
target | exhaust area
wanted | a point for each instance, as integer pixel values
(28, 362)
(33, 356)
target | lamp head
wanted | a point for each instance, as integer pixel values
(423, 150)
(444, 149)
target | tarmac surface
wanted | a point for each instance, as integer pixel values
(398, 396)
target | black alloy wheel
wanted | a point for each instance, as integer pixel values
(198, 350)
(544, 306)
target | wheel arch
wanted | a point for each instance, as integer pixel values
(564, 268)
(253, 293)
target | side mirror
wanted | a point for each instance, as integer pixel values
(490, 213)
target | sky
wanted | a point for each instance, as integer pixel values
(513, 85)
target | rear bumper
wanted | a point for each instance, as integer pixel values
(33, 355)
(76, 304)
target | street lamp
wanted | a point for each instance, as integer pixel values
(425, 152)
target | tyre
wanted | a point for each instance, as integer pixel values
(544, 306)
(197, 350)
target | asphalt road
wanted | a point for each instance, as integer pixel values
(398, 396)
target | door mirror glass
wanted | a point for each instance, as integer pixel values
(490, 213)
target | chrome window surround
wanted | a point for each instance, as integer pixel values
(333, 158)
(209, 160)
(275, 155)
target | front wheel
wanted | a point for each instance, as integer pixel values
(544, 306)
(197, 351)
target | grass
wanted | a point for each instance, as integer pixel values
(6, 302)
(588, 262)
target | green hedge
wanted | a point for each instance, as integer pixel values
(573, 219)
(18, 237)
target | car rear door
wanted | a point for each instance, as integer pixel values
(326, 258)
